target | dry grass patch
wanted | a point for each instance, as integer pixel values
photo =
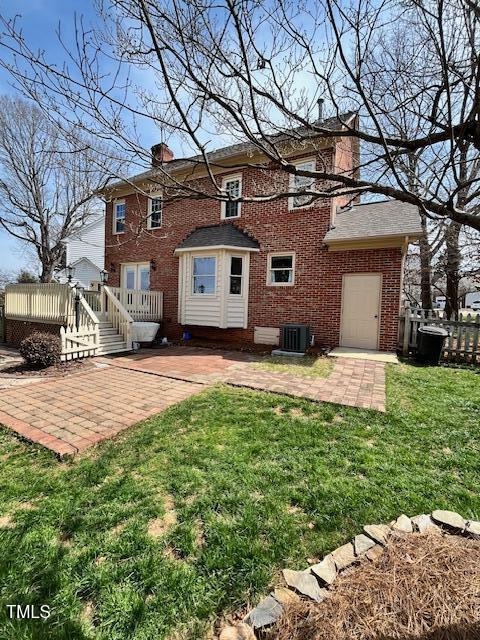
(6, 522)
(423, 586)
(159, 526)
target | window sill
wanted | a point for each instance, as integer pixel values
(117, 233)
(280, 284)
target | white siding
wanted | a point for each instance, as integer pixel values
(89, 243)
(266, 335)
(85, 273)
(220, 310)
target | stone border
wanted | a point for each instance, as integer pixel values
(313, 582)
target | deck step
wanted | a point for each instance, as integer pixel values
(104, 350)
(110, 339)
(108, 331)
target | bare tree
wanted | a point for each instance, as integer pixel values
(253, 71)
(48, 179)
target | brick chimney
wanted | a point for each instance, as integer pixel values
(161, 154)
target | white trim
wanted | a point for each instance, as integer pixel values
(379, 307)
(228, 270)
(137, 265)
(291, 182)
(151, 197)
(223, 204)
(274, 254)
(114, 217)
(216, 247)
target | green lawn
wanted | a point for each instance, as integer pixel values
(307, 366)
(233, 485)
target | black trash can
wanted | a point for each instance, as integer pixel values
(430, 344)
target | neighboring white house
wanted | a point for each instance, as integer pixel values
(85, 252)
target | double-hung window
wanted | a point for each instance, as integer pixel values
(204, 274)
(119, 216)
(302, 183)
(236, 275)
(232, 186)
(281, 269)
(154, 212)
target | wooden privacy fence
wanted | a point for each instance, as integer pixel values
(462, 343)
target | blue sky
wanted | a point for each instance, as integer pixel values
(39, 18)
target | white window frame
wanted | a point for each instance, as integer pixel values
(297, 163)
(192, 286)
(242, 276)
(278, 254)
(151, 198)
(114, 217)
(231, 178)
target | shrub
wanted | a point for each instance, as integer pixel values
(41, 349)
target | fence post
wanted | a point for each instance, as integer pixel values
(406, 330)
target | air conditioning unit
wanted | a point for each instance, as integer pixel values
(294, 337)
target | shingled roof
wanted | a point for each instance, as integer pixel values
(335, 123)
(375, 220)
(219, 235)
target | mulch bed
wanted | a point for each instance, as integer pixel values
(423, 587)
(22, 370)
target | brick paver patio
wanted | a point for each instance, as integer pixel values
(353, 382)
(70, 414)
(73, 413)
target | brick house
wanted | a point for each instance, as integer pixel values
(236, 271)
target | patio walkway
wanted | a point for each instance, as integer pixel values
(353, 382)
(68, 415)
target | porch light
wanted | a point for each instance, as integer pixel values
(104, 276)
(70, 272)
(153, 264)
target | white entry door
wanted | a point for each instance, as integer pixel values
(136, 276)
(360, 310)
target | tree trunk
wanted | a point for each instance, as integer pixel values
(47, 272)
(453, 262)
(425, 267)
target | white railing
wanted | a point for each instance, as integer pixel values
(48, 303)
(141, 305)
(93, 299)
(117, 315)
(462, 343)
(80, 338)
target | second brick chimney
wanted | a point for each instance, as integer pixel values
(161, 154)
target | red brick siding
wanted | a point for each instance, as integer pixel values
(314, 299)
(17, 330)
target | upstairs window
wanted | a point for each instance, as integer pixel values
(232, 185)
(236, 275)
(154, 212)
(281, 269)
(119, 217)
(301, 183)
(204, 274)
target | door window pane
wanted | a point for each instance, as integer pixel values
(145, 278)
(236, 268)
(130, 278)
(204, 271)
